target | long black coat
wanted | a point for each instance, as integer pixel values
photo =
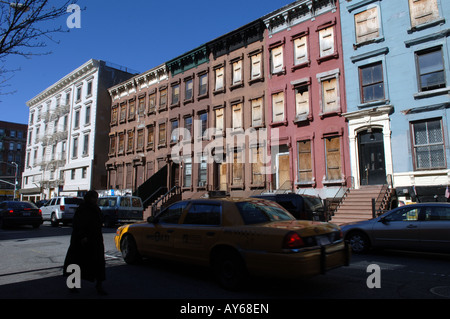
(86, 244)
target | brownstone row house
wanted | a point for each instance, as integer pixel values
(206, 121)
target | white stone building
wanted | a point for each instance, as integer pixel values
(67, 142)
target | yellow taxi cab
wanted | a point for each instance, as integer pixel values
(236, 237)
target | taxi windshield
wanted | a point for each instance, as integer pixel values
(261, 212)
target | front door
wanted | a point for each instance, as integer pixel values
(372, 167)
(283, 167)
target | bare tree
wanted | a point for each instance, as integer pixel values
(23, 29)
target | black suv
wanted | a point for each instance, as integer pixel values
(300, 206)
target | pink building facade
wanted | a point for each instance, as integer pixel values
(306, 99)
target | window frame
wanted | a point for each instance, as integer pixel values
(414, 146)
(362, 86)
(424, 52)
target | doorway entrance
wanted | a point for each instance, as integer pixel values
(372, 168)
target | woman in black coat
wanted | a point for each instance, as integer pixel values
(86, 244)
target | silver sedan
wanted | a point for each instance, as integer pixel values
(421, 227)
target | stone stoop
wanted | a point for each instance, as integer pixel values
(357, 205)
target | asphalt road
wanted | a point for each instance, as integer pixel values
(31, 268)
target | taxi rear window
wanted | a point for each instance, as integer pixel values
(256, 213)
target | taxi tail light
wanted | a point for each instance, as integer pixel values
(292, 240)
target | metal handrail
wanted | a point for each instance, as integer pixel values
(154, 193)
(347, 190)
(164, 197)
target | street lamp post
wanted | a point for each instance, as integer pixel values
(15, 179)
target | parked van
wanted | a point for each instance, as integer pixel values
(120, 209)
(300, 206)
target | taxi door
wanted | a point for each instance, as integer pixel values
(200, 229)
(159, 236)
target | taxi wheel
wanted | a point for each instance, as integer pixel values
(359, 242)
(229, 269)
(129, 250)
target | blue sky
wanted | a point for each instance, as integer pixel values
(136, 34)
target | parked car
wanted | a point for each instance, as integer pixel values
(19, 213)
(119, 209)
(300, 206)
(421, 227)
(60, 209)
(236, 237)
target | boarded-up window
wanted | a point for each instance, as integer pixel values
(257, 161)
(257, 112)
(130, 141)
(333, 157)
(304, 161)
(140, 139)
(301, 50)
(301, 101)
(162, 98)
(277, 59)
(329, 95)
(129, 176)
(114, 114)
(150, 136)
(278, 107)
(112, 144)
(141, 107)
(123, 112)
(367, 25)
(423, 11)
(121, 147)
(237, 116)
(219, 120)
(152, 103)
(238, 167)
(237, 72)
(326, 41)
(256, 71)
(219, 79)
(131, 110)
(162, 134)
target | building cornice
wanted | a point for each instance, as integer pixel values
(140, 81)
(65, 81)
(295, 13)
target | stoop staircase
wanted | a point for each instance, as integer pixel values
(357, 205)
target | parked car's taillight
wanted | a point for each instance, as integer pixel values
(40, 212)
(62, 207)
(292, 240)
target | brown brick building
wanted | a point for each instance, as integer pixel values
(179, 118)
